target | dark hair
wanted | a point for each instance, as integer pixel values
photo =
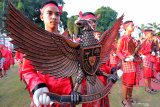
(48, 2)
(88, 13)
(129, 21)
(148, 30)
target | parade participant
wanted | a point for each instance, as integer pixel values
(157, 63)
(1, 65)
(114, 61)
(128, 64)
(6, 59)
(19, 59)
(97, 34)
(104, 102)
(12, 57)
(148, 61)
(38, 83)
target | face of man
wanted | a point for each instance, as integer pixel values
(97, 35)
(130, 27)
(148, 34)
(51, 17)
(93, 23)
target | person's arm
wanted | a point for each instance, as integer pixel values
(2, 62)
(31, 77)
(119, 49)
(105, 68)
(146, 49)
(34, 84)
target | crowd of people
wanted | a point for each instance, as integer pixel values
(134, 57)
(138, 57)
(6, 60)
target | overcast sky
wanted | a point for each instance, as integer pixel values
(140, 11)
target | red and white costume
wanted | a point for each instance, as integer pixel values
(105, 101)
(113, 58)
(34, 79)
(149, 61)
(6, 54)
(129, 68)
(19, 58)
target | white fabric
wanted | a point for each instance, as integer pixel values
(40, 97)
(119, 73)
(143, 57)
(153, 53)
(158, 54)
(114, 54)
(130, 58)
(2, 62)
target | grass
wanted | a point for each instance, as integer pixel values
(12, 91)
(142, 98)
(13, 94)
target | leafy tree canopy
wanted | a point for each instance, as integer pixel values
(107, 18)
(30, 8)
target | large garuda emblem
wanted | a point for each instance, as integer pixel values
(55, 54)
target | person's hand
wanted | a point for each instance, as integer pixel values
(142, 57)
(113, 70)
(129, 59)
(158, 54)
(112, 77)
(40, 97)
(153, 53)
(119, 73)
(114, 54)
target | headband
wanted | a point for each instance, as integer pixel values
(88, 16)
(51, 4)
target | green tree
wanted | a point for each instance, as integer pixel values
(107, 18)
(64, 19)
(30, 8)
(154, 26)
(20, 5)
(72, 28)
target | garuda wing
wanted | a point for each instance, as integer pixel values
(108, 38)
(50, 53)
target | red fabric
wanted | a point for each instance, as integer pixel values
(146, 50)
(6, 54)
(129, 79)
(113, 59)
(51, 4)
(89, 16)
(147, 63)
(147, 72)
(129, 68)
(122, 47)
(11, 58)
(33, 78)
(18, 56)
(138, 73)
(157, 65)
(105, 68)
(123, 52)
(103, 102)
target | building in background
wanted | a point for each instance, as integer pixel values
(6, 41)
